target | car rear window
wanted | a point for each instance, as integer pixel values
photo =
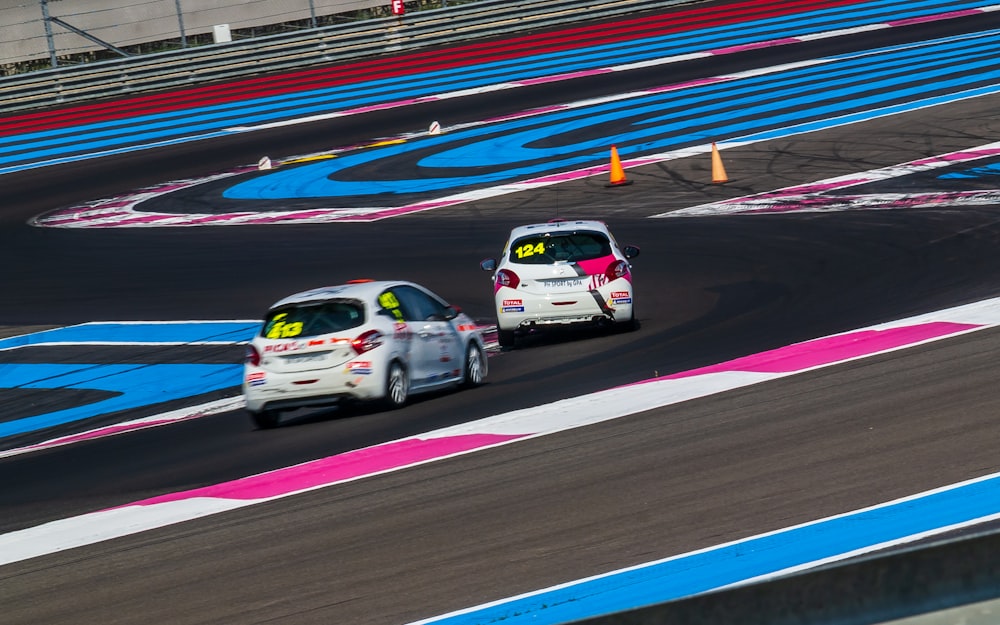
(546, 249)
(312, 319)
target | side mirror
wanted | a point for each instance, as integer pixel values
(489, 264)
(451, 312)
(630, 251)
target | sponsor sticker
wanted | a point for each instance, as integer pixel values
(359, 367)
(291, 346)
(256, 379)
(619, 297)
(512, 305)
(564, 282)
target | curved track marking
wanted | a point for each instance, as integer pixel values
(819, 196)
(678, 117)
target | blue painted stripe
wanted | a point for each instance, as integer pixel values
(135, 386)
(64, 156)
(973, 173)
(144, 129)
(172, 333)
(531, 146)
(732, 563)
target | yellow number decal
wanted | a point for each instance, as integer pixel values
(274, 328)
(529, 249)
(388, 300)
(278, 329)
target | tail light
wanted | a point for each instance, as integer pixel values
(251, 356)
(367, 341)
(507, 278)
(617, 269)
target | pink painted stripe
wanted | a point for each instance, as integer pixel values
(758, 45)
(402, 210)
(339, 468)
(56, 219)
(700, 82)
(819, 187)
(145, 218)
(966, 155)
(223, 217)
(100, 433)
(263, 219)
(832, 349)
(935, 18)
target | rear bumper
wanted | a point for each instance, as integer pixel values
(518, 310)
(287, 391)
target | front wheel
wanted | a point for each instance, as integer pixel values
(475, 366)
(397, 386)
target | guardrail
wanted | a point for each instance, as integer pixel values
(276, 53)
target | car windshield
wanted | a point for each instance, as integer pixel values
(550, 247)
(312, 319)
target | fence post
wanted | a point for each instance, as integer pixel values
(48, 33)
(180, 23)
(312, 12)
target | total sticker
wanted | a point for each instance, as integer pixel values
(512, 305)
(620, 297)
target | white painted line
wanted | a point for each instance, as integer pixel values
(498, 430)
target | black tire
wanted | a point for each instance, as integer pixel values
(266, 419)
(397, 386)
(505, 338)
(475, 366)
(629, 326)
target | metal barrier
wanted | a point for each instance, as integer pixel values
(276, 53)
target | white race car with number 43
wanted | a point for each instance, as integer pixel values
(364, 340)
(562, 273)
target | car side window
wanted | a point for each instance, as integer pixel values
(394, 306)
(421, 306)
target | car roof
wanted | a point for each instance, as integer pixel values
(366, 290)
(558, 225)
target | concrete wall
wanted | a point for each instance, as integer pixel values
(948, 578)
(130, 22)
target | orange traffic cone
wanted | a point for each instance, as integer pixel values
(617, 172)
(718, 170)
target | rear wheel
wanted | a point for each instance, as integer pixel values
(397, 386)
(475, 366)
(266, 419)
(628, 326)
(505, 338)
